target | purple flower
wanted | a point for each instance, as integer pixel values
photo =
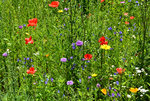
(121, 39)
(71, 57)
(98, 85)
(89, 77)
(45, 82)
(58, 91)
(73, 44)
(129, 0)
(80, 80)
(70, 82)
(118, 94)
(52, 79)
(73, 47)
(79, 43)
(113, 94)
(115, 90)
(66, 9)
(117, 82)
(63, 59)
(120, 32)
(5, 54)
(27, 58)
(137, 2)
(20, 27)
(24, 25)
(17, 60)
(114, 32)
(110, 28)
(109, 87)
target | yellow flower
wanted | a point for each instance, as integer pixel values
(133, 90)
(27, 33)
(60, 11)
(104, 91)
(94, 75)
(106, 47)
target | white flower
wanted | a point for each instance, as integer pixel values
(133, 36)
(37, 53)
(128, 96)
(143, 90)
(112, 66)
(142, 69)
(138, 71)
(146, 74)
(136, 68)
(141, 95)
(8, 51)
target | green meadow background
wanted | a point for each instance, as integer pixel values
(86, 20)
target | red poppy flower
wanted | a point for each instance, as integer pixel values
(131, 17)
(126, 22)
(32, 22)
(120, 70)
(54, 4)
(104, 43)
(31, 70)
(102, 39)
(87, 56)
(102, 1)
(29, 40)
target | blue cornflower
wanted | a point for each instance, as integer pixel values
(121, 39)
(73, 47)
(71, 57)
(110, 28)
(120, 32)
(113, 94)
(118, 94)
(52, 79)
(114, 32)
(117, 82)
(80, 80)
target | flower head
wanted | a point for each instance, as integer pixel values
(133, 90)
(102, 1)
(120, 70)
(79, 43)
(60, 11)
(131, 17)
(29, 40)
(32, 22)
(87, 56)
(104, 91)
(70, 82)
(63, 59)
(5, 54)
(20, 27)
(31, 70)
(66, 9)
(94, 75)
(106, 47)
(54, 4)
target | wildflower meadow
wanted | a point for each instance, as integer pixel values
(74, 50)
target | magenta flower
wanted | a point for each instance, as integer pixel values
(70, 82)
(20, 27)
(5, 54)
(63, 59)
(122, 1)
(79, 43)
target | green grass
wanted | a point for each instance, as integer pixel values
(52, 37)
